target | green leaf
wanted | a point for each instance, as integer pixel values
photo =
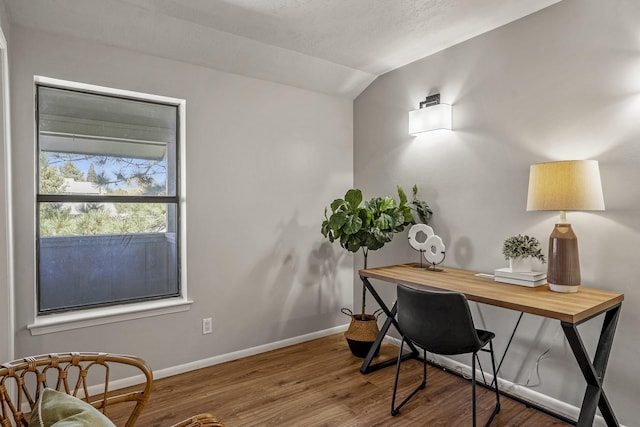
(400, 219)
(402, 195)
(373, 205)
(383, 236)
(337, 220)
(325, 228)
(384, 222)
(366, 216)
(352, 225)
(339, 205)
(423, 210)
(353, 245)
(354, 198)
(344, 239)
(407, 216)
(388, 203)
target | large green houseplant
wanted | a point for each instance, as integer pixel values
(368, 225)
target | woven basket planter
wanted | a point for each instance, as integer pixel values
(362, 332)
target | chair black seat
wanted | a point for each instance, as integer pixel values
(441, 323)
(485, 336)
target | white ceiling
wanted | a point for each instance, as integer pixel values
(332, 46)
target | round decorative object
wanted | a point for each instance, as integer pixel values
(413, 234)
(434, 253)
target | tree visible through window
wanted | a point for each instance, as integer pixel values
(107, 199)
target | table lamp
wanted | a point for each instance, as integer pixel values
(572, 185)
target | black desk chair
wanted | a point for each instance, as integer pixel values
(441, 323)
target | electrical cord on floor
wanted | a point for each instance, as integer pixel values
(528, 383)
(544, 355)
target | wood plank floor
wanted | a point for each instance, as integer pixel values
(318, 383)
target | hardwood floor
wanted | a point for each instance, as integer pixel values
(318, 383)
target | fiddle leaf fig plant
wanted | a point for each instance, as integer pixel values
(369, 225)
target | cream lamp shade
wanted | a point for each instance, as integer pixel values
(572, 185)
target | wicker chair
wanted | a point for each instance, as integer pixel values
(72, 374)
(202, 420)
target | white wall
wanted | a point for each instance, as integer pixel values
(6, 333)
(560, 84)
(262, 161)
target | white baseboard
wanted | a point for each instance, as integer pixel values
(548, 402)
(215, 360)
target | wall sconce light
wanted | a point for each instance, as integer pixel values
(572, 185)
(430, 116)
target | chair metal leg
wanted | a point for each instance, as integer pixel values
(396, 410)
(495, 375)
(496, 409)
(473, 387)
(484, 380)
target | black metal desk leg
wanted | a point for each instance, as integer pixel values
(367, 367)
(593, 373)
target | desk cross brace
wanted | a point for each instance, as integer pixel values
(593, 373)
(367, 367)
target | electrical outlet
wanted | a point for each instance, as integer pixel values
(207, 326)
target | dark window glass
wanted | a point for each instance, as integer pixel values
(107, 200)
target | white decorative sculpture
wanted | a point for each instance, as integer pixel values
(432, 248)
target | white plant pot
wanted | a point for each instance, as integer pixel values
(520, 265)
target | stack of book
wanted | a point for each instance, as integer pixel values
(530, 279)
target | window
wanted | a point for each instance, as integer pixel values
(108, 197)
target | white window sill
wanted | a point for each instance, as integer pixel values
(101, 316)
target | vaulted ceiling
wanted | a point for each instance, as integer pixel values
(332, 46)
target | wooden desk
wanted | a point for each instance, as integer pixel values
(571, 309)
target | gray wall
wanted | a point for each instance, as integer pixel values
(263, 159)
(5, 328)
(559, 84)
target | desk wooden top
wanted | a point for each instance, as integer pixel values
(567, 307)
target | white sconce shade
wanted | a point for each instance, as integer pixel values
(430, 116)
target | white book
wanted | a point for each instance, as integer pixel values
(522, 275)
(520, 282)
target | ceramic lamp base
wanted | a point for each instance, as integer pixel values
(563, 288)
(563, 269)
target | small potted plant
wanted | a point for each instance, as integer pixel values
(520, 250)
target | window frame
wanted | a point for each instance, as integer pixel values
(88, 315)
